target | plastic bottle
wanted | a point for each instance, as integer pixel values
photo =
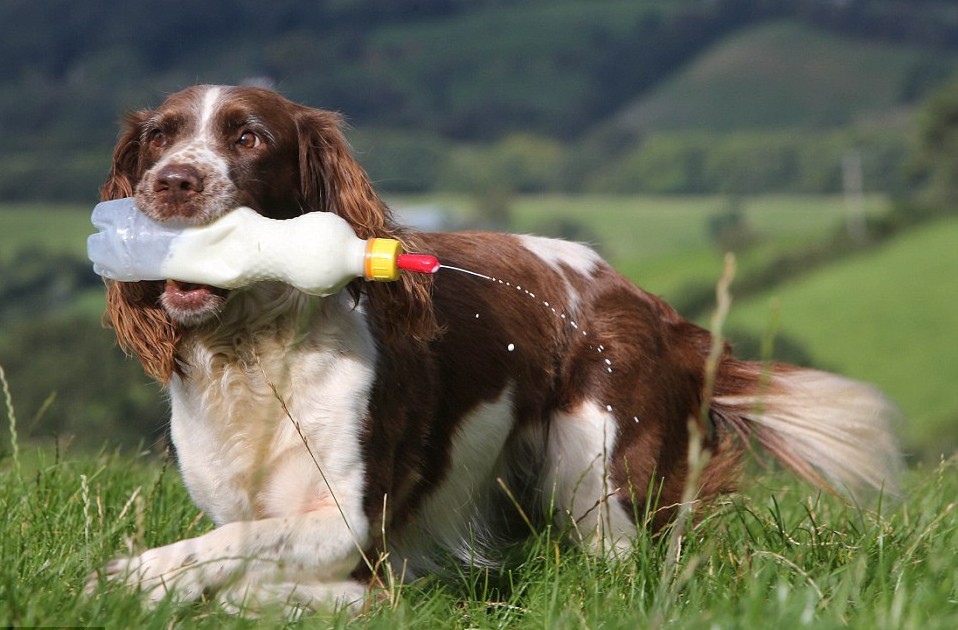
(317, 252)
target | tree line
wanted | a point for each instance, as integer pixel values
(442, 76)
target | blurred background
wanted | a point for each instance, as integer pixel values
(815, 139)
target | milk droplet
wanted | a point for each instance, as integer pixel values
(511, 347)
(608, 407)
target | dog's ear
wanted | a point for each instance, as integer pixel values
(333, 181)
(125, 169)
(142, 327)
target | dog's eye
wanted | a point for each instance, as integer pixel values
(248, 140)
(158, 139)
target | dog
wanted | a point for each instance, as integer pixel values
(417, 422)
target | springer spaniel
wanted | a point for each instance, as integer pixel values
(410, 422)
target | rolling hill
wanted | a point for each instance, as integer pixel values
(786, 74)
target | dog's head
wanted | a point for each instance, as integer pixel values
(209, 149)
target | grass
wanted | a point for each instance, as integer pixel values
(780, 554)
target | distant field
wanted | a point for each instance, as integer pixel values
(662, 242)
(55, 228)
(887, 316)
(755, 80)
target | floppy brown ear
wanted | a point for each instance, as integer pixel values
(142, 327)
(125, 169)
(333, 181)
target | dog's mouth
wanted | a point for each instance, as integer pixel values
(191, 303)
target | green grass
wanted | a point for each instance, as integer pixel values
(886, 316)
(754, 79)
(780, 554)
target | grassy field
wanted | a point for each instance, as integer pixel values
(778, 555)
(662, 242)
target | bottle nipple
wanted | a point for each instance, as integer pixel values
(385, 258)
(420, 263)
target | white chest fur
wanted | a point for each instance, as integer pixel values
(266, 421)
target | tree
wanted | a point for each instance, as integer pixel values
(937, 154)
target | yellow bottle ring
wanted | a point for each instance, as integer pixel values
(381, 256)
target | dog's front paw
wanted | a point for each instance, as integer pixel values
(172, 570)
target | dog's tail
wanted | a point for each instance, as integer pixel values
(831, 430)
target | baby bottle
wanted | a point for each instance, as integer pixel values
(317, 252)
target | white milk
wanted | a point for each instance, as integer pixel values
(317, 252)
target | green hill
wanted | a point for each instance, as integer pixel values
(773, 107)
(886, 317)
(453, 82)
(787, 74)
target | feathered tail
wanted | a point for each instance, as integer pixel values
(833, 431)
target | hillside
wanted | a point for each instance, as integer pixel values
(887, 317)
(786, 74)
(443, 87)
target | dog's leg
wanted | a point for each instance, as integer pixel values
(249, 595)
(577, 485)
(313, 548)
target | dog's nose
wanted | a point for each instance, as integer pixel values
(178, 179)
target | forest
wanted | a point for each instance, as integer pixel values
(571, 96)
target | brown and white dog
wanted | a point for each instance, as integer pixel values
(403, 420)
